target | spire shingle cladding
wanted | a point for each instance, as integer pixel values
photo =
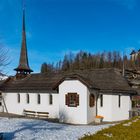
(23, 66)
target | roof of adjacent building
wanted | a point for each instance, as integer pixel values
(133, 52)
(105, 80)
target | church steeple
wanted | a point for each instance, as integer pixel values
(23, 67)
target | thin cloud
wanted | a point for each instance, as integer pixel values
(130, 4)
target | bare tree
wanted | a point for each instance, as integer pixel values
(4, 59)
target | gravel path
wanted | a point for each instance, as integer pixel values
(27, 129)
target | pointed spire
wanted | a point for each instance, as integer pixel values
(23, 66)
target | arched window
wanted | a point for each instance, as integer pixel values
(27, 98)
(38, 99)
(50, 99)
(91, 100)
(18, 98)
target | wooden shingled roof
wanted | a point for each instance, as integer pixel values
(23, 61)
(105, 80)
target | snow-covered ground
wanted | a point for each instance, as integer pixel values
(28, 129)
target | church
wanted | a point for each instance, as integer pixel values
(76, 97)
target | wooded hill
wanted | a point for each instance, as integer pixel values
(84, 60)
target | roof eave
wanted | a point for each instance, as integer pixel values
(118, 91)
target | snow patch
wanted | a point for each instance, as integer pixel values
(27, 129)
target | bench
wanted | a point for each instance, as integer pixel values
(37, 114)
(42, 114)
(29, 113)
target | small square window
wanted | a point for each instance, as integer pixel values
(72, 99)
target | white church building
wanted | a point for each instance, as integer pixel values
(72, 97)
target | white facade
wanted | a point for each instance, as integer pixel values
(91, 111)
(111, 110)
(81, 114)
(13, 106)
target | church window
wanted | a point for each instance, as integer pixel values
(72, 99)
(50, 99)
(38, 99)
(18, 98)
(101, 100)
(119, 101)
(91, 100)
(27, 98)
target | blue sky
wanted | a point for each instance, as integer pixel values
(56, 27)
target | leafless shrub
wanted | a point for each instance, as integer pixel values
(4, 59)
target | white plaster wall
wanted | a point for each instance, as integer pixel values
(14, 107)
(91, 111)
(75, 115)
(133, 57)
(106, 110)
(111, 111)
(122, 112)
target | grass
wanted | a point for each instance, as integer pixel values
(127, 130)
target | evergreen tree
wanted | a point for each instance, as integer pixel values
(83, 60)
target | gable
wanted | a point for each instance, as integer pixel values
(73, 77)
